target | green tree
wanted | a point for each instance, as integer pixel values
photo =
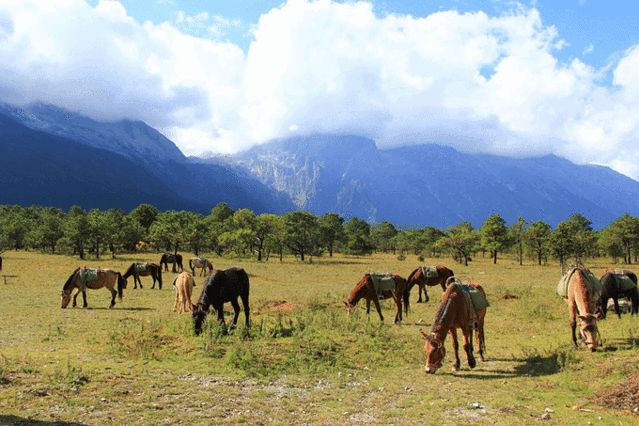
(517, 234)
(536, 238)
(625, 231)
(332, 230)
(77, 229)
(172, 229)
(301, 232)
(50, 228)
(267, 225)
(572, 238)
(382, 236)
(494, 235)
(461, 240)
(358, 234)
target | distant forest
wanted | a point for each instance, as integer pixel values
(242, 233)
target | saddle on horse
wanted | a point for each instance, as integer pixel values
(383, 282)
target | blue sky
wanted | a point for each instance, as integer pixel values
(508, 78)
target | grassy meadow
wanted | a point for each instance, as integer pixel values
(303, 361)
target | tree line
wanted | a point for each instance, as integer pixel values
(303, 234)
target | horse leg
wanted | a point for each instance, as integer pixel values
(379, 309)
(398, 314)
(453, 337)
(220, 318)
(154, 279)
(84, 298)
(236, 308)
(75, 296)
(420, 287)
(468, 346)
(136, 280)
(480, 337)
(616, 302)
(113, 294)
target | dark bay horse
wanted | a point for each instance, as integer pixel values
(582, 298)
(175, 259)
(418, 277)
(613, 287)
(455, 311)
(222, 286)
(365, 289)
(138, 270)
(200, 262)
(105, 278)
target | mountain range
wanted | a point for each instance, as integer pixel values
(53, 157)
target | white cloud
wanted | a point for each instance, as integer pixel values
(475, 82)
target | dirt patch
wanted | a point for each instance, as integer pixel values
(276, 305)
(509, 297)
(623, 396)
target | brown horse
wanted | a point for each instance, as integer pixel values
(455, 311)
(200, 262)
(582, 298)
(138, 270)
(175, 259)
(418, 277)
(183, 284)
(365, 289)
(616, 285)
(78, 280)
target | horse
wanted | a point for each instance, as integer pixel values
(455, 311)
(183, 284)
(222, 286)
(144, 270)
(365, 289)
(200, 262)
(175, 259)
(582, 298)
(613, 288)
(418, 277)
(105, 278)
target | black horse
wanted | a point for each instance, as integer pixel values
(175, 259)
(222, 286)
(612, 288)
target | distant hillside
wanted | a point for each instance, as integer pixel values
(53, 161)
(435, 185)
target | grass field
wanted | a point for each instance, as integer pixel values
(304, 361)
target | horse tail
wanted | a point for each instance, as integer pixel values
(160, 276)
(120, 285)
(406, 299)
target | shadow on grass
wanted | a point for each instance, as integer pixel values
(19, 421)
(536, 366)
(118, 309)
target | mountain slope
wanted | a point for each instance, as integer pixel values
(434, 185)
(133, 151)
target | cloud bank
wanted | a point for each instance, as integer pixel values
(476, 82)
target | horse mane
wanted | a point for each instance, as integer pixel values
(412, 274)
(68, 285)
(443, 308)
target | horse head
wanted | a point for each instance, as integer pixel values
(588, 331)
(435, 353)
(350, 307)
(199, 315)
(65, 298)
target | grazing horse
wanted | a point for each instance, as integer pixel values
(455, 311)
(420, 277)
(615, 287)
(183, 284)
(365, 289)
(582, 296)
(200, 262)
(80, 280)
(222, 286)
(175, 259)
(144, 270)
